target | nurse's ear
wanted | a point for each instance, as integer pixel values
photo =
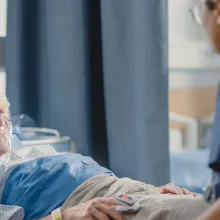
(211, 22)
(217, 6)
(214, 5)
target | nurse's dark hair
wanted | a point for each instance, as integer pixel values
(210, 4)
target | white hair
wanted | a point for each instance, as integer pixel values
(5, 103)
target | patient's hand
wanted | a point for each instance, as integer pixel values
(175, 190)
(96, 209)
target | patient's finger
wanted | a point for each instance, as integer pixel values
(176, 190)
(196, 194)
(99, 215)
(186, 192)
(165, 191)
(110, 212)
(170, 188)
(109, 201)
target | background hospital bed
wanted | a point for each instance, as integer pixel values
(188, 156)
(38, 136)
(27, 134)
(189, 169)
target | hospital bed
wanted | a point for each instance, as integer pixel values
(28, 134)
(190, 133)
(188, 157)
(187, 168)
(32, 136)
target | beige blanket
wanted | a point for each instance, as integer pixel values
(154, 206)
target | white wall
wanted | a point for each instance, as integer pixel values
(181, 24)
(191, 60)
(182, 80)
(192, 54)
(188, 43)
(3, 17)
(2, 82)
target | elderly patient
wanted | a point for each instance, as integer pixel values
(35, 181)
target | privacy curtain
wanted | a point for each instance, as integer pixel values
(96, 70)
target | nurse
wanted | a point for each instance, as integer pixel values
(207, 14)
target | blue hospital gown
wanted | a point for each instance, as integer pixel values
(41, 185)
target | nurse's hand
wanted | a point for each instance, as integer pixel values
(213, 213)
(96, 209)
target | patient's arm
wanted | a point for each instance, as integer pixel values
(95, 209)
(213, 213)
(49, 217)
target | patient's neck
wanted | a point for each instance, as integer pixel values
(1, 154)
(4, 146)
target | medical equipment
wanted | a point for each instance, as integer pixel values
(131, 204)
(28, 134)
(133, 208)
(32, 136)
(20, 121)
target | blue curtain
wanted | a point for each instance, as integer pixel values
(97, 71)
(136, 87)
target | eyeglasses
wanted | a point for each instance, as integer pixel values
(196, 13)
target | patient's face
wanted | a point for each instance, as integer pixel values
(4, 126)
(3, 110)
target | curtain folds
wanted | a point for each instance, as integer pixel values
(96, 70)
